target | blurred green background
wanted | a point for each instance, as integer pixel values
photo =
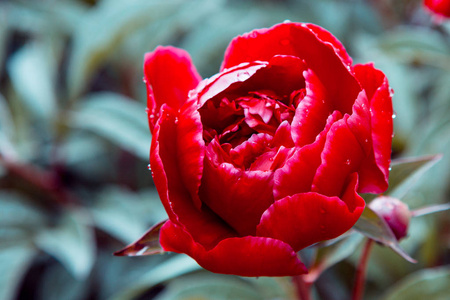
(74, 143)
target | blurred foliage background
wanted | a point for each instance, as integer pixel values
(74, 143)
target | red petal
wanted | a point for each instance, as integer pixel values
(191, 149)
(312, 112)
(169, 75)
(304, 219)
(342, 155)
(297, 175)
(247, 256)
(204, 226)
(305, 42)
(239, 197)
(327, 37)
(380, 100)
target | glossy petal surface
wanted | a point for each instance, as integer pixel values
(307, 218)
(247, 256)
(169, 75)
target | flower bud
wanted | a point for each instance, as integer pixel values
(394, 212)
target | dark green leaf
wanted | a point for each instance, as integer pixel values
(374, 227)
(424, 284)
(171, 268)
(117, 118)
(72, 243)
(31, 70)
(103, 28)
(126, 215)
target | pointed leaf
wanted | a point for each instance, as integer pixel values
(374, 227)
(430, 209)
(405, 171)
(148, 244)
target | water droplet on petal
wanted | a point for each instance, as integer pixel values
(366, 140)
(149, 167)
(394, 115)
(348, 162)
(287, 21)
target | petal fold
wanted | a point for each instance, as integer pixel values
(307, 218)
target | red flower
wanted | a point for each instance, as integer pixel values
(439, 7)
(268, 156)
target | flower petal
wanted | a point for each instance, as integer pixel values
(169, 75)
(342, 155)
(305, 42)
(246, 256)
(239, 197)
(307, 218)
(297, 175)
(374, 171)
(312, 112)
(205, 227)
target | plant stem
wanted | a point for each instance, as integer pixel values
(360, 278)
(303, 287)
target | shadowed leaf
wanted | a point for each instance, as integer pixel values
(374, 227)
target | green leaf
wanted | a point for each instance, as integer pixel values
(14, 262)
(19, 219)
(71, 242)
(208, 286)
(405, 171)
(171, 268)
(32, 74)
(336, 252)
(423, 284)
(126, 215)
(103, 28)
(117, 118)
(374, 227)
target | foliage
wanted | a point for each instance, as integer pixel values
(74, 144)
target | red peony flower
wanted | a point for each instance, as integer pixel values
(439, 7)
(268, 156)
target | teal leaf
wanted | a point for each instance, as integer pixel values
(32, 74)
(167, 270)
(423, 284)
(71, 242)
(405, 171)
(117, 118)
(103, 28)
(14, 262)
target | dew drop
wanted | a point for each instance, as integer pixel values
(348, 162)
(176, 121)
(390, 168)
(366, 140)
(149, 167)
(151, 116)
(394, 115)
(271, 158)
(287, 21)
